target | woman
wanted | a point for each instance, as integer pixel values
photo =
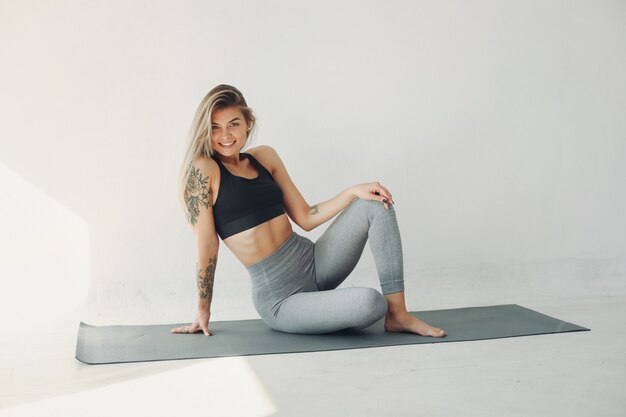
(248, 198)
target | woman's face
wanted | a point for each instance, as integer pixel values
(228, 131)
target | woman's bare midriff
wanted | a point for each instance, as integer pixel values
(252, 245)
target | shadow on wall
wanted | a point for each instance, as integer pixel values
(45, 257)
(45, 270)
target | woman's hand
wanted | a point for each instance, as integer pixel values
(200, 324)
(373, 191)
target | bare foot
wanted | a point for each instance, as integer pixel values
(405, 322)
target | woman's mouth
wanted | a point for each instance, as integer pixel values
(227, 144)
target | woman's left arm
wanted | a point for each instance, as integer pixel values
(309, 217)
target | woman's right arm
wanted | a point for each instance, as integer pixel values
(199, 200)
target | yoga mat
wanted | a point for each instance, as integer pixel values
(116, 344)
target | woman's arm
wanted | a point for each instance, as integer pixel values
(199, 200)
(309, 217)
(207, 262)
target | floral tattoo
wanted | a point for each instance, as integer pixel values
(197, 192)
(205, 283)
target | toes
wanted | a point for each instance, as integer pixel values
(436, 332)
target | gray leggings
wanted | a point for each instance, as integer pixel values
(293, 289)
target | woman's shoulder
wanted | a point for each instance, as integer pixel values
(206, 164)
(266, 155)
(262, 151)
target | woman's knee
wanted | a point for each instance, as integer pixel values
(372, 207)
(374, 305)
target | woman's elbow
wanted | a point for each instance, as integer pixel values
(302, 224)
(208, 242)
(306, 225)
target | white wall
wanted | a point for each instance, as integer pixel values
(497, 125)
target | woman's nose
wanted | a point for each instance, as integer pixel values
(224, 133)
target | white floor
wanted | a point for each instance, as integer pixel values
(570, 374)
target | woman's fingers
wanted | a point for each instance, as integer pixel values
(206, 331)
(184, 329)
(194, 328)
(386, 194)
(374, 191)
(383, 195)
(181, 329)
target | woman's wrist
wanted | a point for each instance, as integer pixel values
(350, 194)
(204, 305)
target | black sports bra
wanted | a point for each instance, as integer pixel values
(243, 203)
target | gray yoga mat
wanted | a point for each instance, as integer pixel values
(115, 344)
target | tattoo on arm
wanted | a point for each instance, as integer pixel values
(314, 210)
(205, 283)
(197, 192)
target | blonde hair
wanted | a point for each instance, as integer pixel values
(199, 138)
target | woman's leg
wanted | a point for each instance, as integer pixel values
(285, 294)
(339, 249)
(330, 311)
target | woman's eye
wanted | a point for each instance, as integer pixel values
(235, 124)
(213, 127)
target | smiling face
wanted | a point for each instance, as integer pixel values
(228, 131)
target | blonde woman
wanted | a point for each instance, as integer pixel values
(248, 200)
